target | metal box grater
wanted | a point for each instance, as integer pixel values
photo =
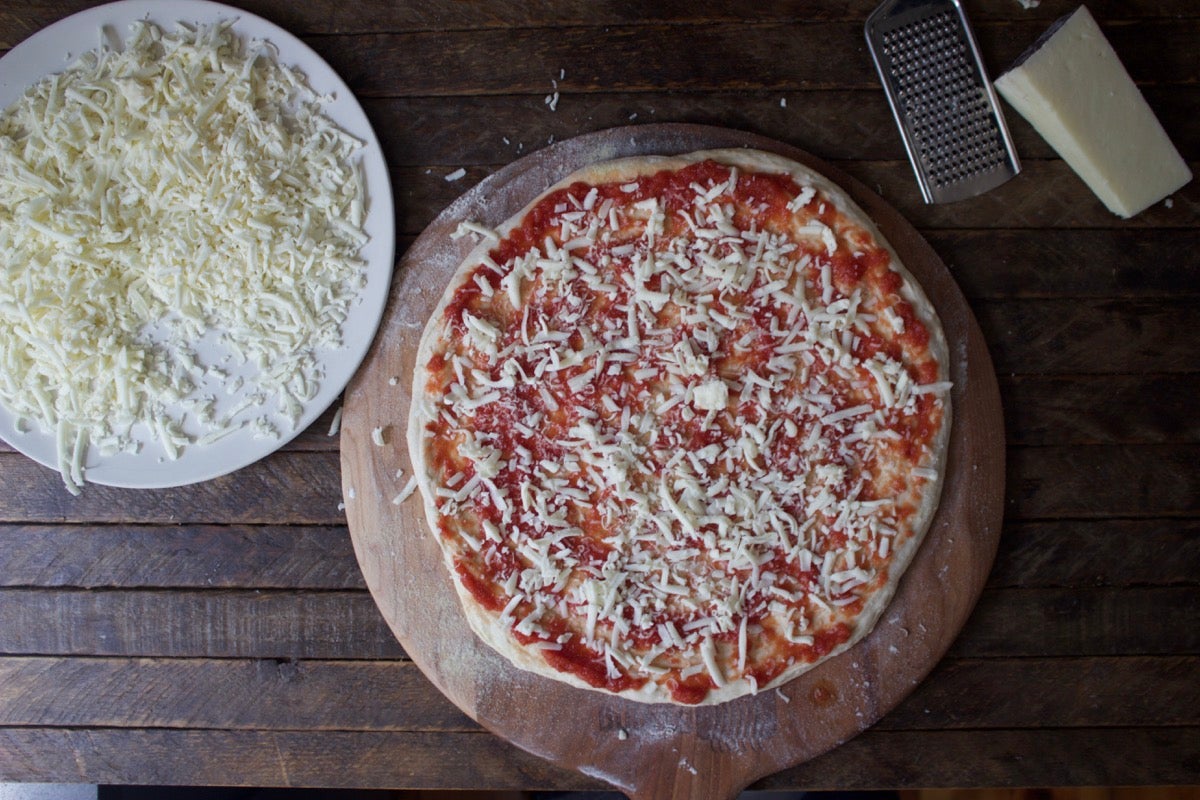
(941, 97)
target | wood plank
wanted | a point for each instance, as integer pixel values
(395, 696)
(833, 124)
(1059, 554)
(1047, 194)
(21, 18)
(772, 56)
(876, 759)
(1060, 410)
(1048, 264)
(1067, 553)
(1036, 693)
(191, 556)
(1103, 481)
(1087, 757)
(1098, 553)
(1081, 622)
(1090, 336)
(1072, 621)
(213, 624)
(1100, 409)
(339, 759)
(1058, 793)
(255, 695)
(287, 487)
(303, 488)
(1051, 410)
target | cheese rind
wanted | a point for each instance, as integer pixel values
(1076, 93)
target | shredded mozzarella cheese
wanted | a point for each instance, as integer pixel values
(185, 191)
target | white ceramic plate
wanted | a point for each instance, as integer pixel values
(54, 49)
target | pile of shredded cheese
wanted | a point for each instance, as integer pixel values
(182, 194)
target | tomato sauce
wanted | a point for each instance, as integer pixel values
(824, 643)
(690, 690)
(484, 593)
(576, 659)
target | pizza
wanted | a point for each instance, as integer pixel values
(679, 426)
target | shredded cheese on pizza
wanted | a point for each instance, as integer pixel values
(675, 428)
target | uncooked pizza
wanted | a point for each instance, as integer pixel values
(679, 426)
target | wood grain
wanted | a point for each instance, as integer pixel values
(753, 56)
(669, 751)
(300, 489)
(1057, 622)
(255, 694)
(1106, 553)
(839, 123)
(1052, 693)
(394, 696)
(1096, 409)
(286, 487)
(1090, 336)
(1056, 554)
(226, 624)
(874, 760)
(21, 18)
(346, 625)
(1057, 264)
(1093, 482)
(1047, 757)
(1047, 194)
(191, 556)
(332, 759)
(1044, 409)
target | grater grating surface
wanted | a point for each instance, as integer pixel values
(941, 97)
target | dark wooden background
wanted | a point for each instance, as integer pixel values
(221, 633)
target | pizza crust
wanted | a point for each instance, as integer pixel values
(485, 623)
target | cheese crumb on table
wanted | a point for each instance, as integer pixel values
(406, 492)
(184, 194)
(335, 425)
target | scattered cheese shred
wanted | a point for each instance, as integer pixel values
(184, 188)
(335, 424)
(406, 492)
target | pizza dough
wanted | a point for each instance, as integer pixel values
(679, 426)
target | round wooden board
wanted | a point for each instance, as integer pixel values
(652, 751)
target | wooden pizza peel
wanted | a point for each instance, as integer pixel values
(662, 751)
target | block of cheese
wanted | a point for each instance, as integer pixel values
(1073, 89)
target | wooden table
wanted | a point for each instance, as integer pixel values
(221, 633)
